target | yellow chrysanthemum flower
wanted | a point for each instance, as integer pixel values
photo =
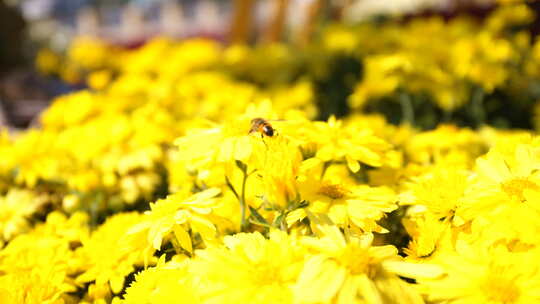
(34, 286)
(180, 215)
(204, 148)
(383, 76)
(249, 269)
(443, 142)
(165, 283)
(350, 206)
(89, 53)
(485, 275)
(354, 271)
(332, 141)
(47, 61)
(339, 39)
(36, 267)
(353, 207)
(441, 202)
(501, 182)
(109, 255)
(16, 207)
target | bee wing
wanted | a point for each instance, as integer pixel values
(254, 128)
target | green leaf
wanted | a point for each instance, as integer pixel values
(241, 166)
(278, 220)
(256, 218)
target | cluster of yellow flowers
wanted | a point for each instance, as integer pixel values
(179, 183)
(444, 60)
(295, 218)
(456, 63)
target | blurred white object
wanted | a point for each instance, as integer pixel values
(171, 19)
(87, 23)
(36, 9)
(133, 24)
(207, 16)
(363, 9)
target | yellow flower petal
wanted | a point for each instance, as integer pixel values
(183, 238)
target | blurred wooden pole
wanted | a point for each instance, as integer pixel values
(241, 23)
(307, 29)
(342, 8)
(274, 31)
(3, 119)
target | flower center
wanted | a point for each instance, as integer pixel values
(516, 186)
(501, 290)
(358, 261)
(266, 275)
(332, 191)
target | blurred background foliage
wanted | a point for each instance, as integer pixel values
(425, 62)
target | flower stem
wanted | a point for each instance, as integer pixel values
(228, 182)
(242, 196)
(477, 106)
(242, 200)
(406, 109)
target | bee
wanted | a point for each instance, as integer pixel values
(262, 126)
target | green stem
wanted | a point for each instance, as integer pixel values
(228, 182)
(243, 202)
(283, 223)
(477, 107)
(406, 108)
(447, 116)
(241, 198)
